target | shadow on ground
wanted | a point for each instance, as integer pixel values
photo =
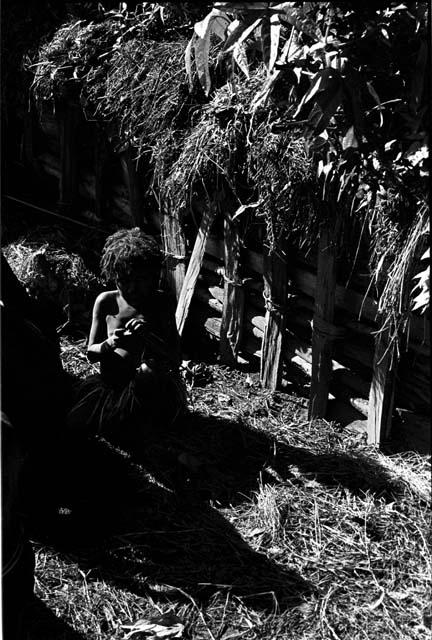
(43, 624)
(154, 522)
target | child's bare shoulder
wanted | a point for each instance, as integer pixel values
(106, 303)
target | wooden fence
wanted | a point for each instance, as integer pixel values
(268, 306)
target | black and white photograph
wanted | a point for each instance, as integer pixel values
(215, 320)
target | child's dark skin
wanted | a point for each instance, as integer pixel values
(120, 321)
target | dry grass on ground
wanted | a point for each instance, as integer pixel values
(246, 522)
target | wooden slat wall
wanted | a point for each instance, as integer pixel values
(230, 305)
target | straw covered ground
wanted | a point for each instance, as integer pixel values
(246, 521)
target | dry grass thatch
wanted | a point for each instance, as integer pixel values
(197, 146)
(280, 164)
(395, 256)
(52, 269)
(143, 90)
(247, 521)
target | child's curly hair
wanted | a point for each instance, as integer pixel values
(127, 251)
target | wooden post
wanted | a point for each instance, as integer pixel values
(194, 266)
(100, 169)
(234, 297)
(275, 295)
(323, 331)
(130, 168)
(174, 244)
(382, 390)
(68, 125)
(27, 144)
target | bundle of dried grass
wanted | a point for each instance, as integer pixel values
(395, 254)
(285, 175)
(143, 91)
(213, 151)
(49, 269)
(65, 60)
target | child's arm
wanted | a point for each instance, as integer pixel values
(99, 343)
(163, 342)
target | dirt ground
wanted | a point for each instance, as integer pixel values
(244, 521)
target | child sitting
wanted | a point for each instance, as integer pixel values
(134, 337)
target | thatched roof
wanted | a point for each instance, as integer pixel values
(122, 72)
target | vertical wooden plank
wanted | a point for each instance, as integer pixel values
(27, 144)
(68, 128)
(130, 169)
(323, 330)
(100, 168)
(234, 297)
(174, 244)
(382, 390)
(275, 294)
(194, 266)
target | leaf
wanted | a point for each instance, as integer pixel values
(298, 18)
(255, 532)
(216, 22)
(167, 625)
(203, 28)
(244, 207)
(352, 83)
(319, 142)
(324, 168)
(377, 100)
(275, 28)
(240, 57)
(322, 81)
(418, 78)
(322, 112)
(202, 47)
(349, 140)
(188, 61)
(219, 27)
(288, 53)
(379, 266)
(240, 33)
(423, 279)
(417, 152)
(233, 7)
(421, 301)
(265, 39)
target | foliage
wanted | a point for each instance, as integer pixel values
(280, 166)
(422, 299)
(336, 80)
(88, 44)
(362, 110)
(327, 86)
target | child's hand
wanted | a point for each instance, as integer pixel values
(117, 339)
(136, 326)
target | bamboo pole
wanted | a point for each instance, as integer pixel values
(324, 332)
(194, 267)
(382, 390)
(275, 294)
(234, 297)
(174, 244)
